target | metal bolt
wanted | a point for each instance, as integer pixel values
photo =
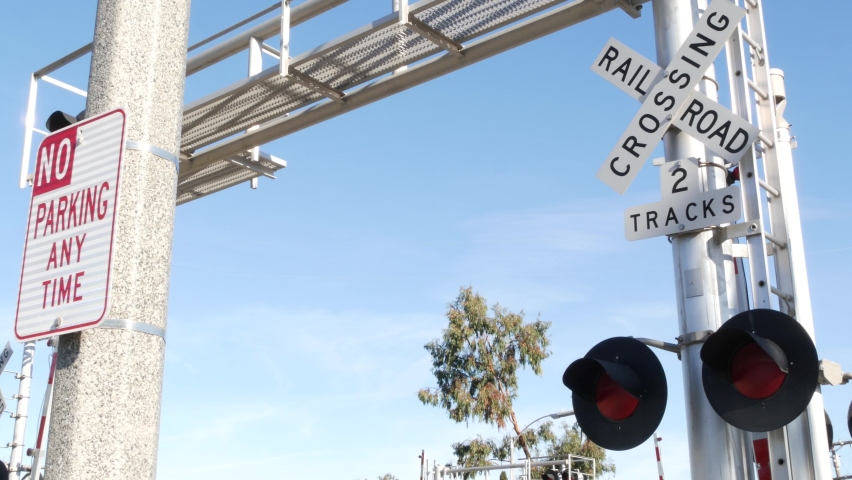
(669, 116)
(680, 227)
(57, 322)
(678, 162)
(665, 74)
(761, 283)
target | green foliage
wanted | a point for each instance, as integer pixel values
(572, 441)
(476, 360)
(473, 453)
(387, 476)
(475, 363)
(544, 441)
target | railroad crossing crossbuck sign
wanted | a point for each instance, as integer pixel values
(669, 98)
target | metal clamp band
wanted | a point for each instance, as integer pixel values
(147, 147)
(694, 337)
(134, 327)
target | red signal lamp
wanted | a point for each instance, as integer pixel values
(760, 370)
(619, 392)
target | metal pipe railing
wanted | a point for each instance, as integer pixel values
(269, 28)
(478, 50)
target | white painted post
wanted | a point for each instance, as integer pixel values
(401, 8)
(512, 457)
(29, 124)
(284, 60)
(809, 448)
(22, 411)
(255, 66)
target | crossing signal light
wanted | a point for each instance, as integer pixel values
(619, 392)
(760, 370)
(59, 120)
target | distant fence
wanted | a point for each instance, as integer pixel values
(571, 464)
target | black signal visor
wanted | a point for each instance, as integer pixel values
(760, 370)
(619, 392)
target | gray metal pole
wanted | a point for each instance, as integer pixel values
(807, 435)
(107, 393)
(700, 275)
(22, 411)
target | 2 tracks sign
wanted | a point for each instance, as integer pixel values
(669, 98)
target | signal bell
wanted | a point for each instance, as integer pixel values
(760, 370)
(619, 392)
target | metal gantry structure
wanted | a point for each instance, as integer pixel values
(222, 133)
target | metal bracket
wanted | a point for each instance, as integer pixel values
(629, 8)
(254, 167)
(694, 337)
(150, 148)
(669, 347)
(736, 230)
(830, 373)
(313, 84)
(434, 36)
(141, 327)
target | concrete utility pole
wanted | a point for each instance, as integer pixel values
(702, 274)
(106, 404)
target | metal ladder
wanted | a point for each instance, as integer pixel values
(799, 450)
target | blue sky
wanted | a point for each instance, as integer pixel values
(298, 311)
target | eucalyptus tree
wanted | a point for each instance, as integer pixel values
(476, 362)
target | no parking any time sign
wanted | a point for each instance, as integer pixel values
(65, 278)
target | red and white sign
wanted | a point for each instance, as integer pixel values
(65, 278)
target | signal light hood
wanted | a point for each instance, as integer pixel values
(769, 401)
(619, 392)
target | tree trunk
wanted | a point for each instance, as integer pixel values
(521, 438)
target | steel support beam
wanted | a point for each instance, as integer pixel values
(478, 50)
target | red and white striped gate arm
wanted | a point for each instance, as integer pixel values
(760, 443)
(37, 452)
(657, 449)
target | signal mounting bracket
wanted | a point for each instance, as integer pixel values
(736, 230)
(693, 337)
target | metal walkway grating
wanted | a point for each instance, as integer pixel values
(435, 38)
(226, 173)
(365, 54)
(464, 20)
